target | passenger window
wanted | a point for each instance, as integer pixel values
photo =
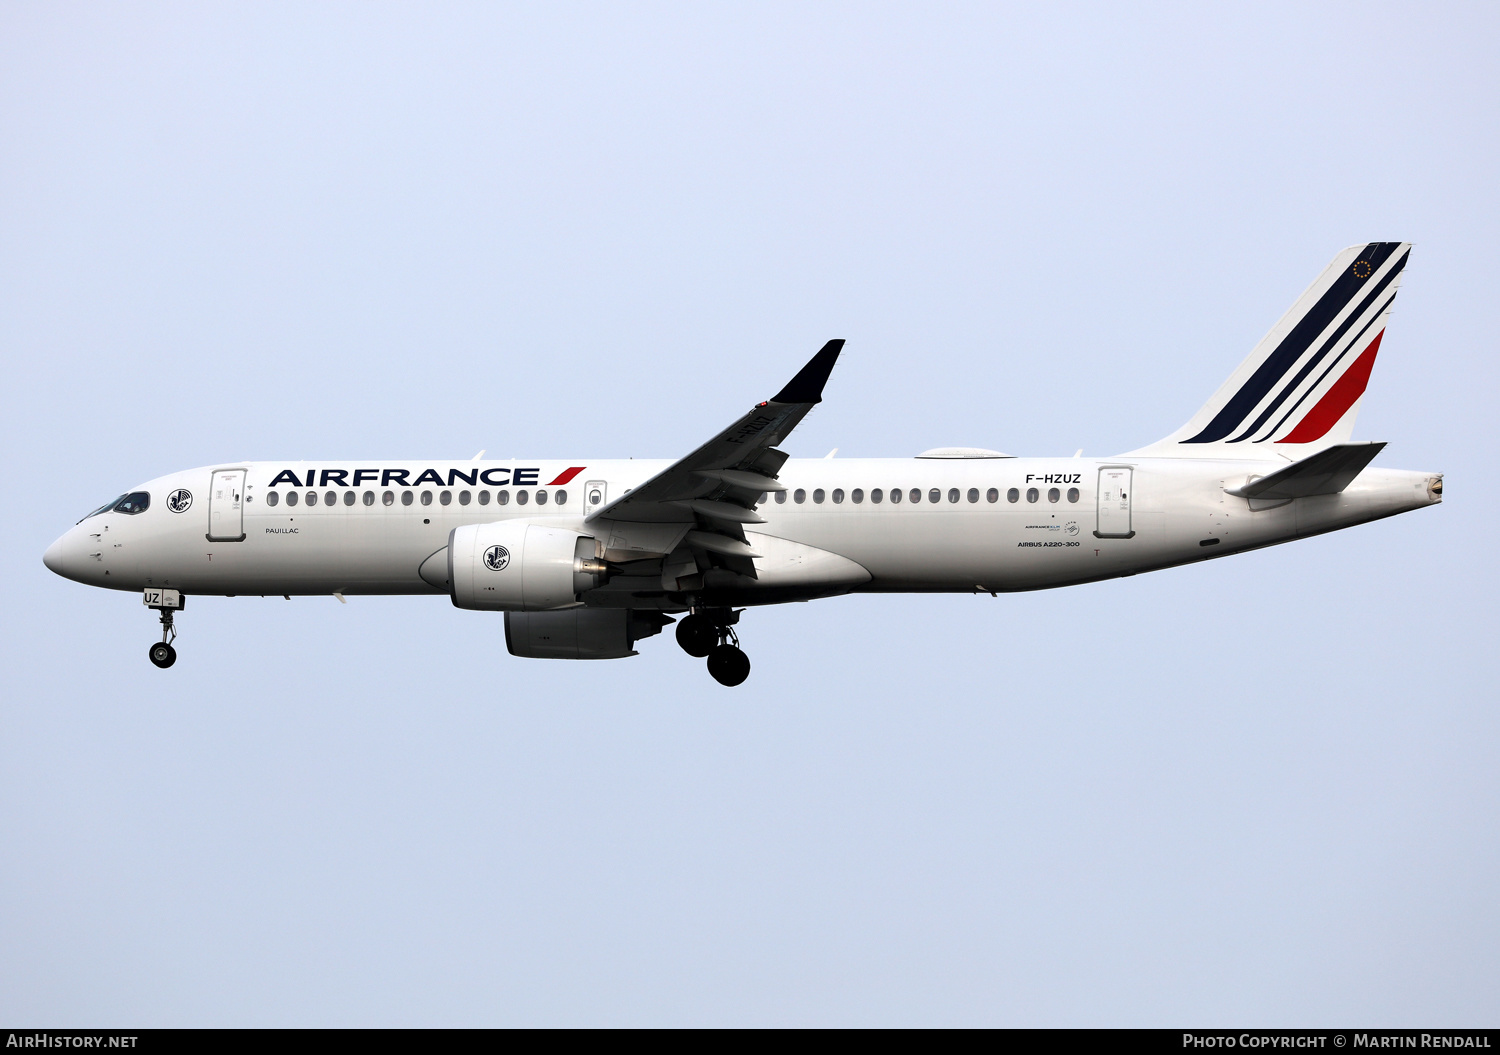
(388, 498)
(406, 497)
(446, 498)
(464, 498)
(502, 498)
(291, 498)
(484, 498)
(895, 496)
(973, 494)
(916, 494)
(1032, 494)
(1013, 495)
(953, 494)
(369, 498)
(330, 499)
(934, 495)
(312, 498)
(1072, 494)
(541, 498)
(272, 498)
(1053, 494)
(781, 498)
(992, 495)
(349, 497)
(838, 495)
(818, 495)
(856, 496)
(876, 496)
(427, 498)
(765, 496)
(560, 497)
(522, 497)
(800, 496)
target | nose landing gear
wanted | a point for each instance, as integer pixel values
(710, 632)
(165, 602)
(162, 653)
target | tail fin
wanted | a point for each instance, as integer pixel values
(1299, 390)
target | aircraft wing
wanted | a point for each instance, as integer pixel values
(715, 489)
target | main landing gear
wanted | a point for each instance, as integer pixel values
(710, 632)
(166, 602)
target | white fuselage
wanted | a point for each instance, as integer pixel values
(961, 533)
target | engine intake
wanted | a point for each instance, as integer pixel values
(518, 566)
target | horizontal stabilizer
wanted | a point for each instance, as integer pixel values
(1326, 473)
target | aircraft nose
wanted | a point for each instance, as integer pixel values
(64, 557)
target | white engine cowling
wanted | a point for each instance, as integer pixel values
(519, 566)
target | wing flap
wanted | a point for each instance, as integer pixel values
(748, 481)
(726, 511)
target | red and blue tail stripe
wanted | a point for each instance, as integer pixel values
(1328, 332)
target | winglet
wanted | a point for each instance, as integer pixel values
(807, 386)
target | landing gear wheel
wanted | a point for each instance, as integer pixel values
(697, 635)
(728, 665)
(162, 653)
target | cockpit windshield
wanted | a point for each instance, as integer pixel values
(134, 502)
(105, 508)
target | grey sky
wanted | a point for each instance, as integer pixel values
(1260, 790)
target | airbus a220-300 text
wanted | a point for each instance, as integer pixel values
(587, 557)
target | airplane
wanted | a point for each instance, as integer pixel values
(586, 558)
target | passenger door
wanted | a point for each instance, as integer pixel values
(226, 506)
(1115, 489)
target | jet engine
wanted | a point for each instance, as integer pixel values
(580, 633)
(519, 566)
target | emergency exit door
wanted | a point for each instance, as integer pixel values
(595, 494)
(226, 506)
(1114, 504)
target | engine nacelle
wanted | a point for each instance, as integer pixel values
(515, 565)
(579, 633)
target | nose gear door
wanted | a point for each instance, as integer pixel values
(226, 506)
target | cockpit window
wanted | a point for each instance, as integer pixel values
(106, 507)
(135, 502)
